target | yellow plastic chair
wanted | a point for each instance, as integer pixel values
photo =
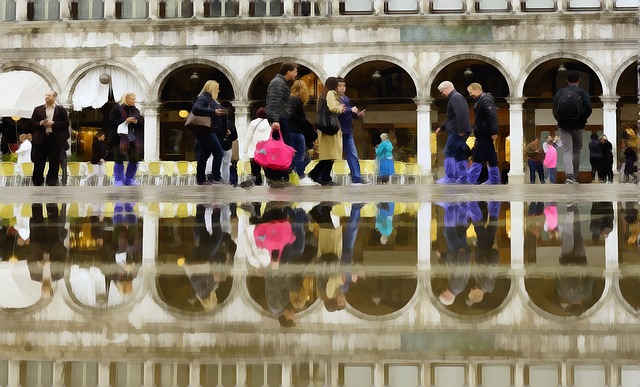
(400, 169)
(183, 174)
(8, 173)
(413, 173)
(340, 172)
(169, 171)
(109, 165)
(75, 172)
(26, 175)
(155, 175)
(367, 169)
(310, 166)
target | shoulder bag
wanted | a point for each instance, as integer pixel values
(326, 121)
(197, 123)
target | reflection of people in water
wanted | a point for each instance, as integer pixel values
(209, 249)
(458, 254)
(348, 243)
(330, 282)
(601, 220)
(384, 221)
(551, 225)
(125, 249)
(485, 222)
(573, 290)
(631, 227)
(48, 252)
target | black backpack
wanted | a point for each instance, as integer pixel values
(569, 106)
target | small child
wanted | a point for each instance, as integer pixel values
(384, 157)
(99, 150)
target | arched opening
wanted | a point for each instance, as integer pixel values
(380, 296)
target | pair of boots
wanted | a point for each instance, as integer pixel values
(474, 173)
(120, 177)
(455, 172)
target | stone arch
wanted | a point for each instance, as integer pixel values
(618, 292)
(526, 72)
(618, 72)
(253, 72)
(164, 75)
(462, 57)
(80, 71)
(42, 71)
(384, 58)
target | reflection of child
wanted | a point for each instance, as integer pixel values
(384, 157)
(99, 152)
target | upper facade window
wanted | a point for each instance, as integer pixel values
(538, 5)
(493, 5)
(87, 10)
(173, 9)
(218, 8)
(266, 8)
(359, 7)
(401, 6)
(447, 6)
(132, 9)
(43, 10)
(584, 4)
(8, 10)
(627, 4)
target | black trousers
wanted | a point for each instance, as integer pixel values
(49, 150)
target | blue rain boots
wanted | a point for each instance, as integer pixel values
(449, 171)
(130, 176)
(494, 176)
(462, 172)
(118, 175)
(474, 173)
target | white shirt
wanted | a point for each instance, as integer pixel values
(24, 152)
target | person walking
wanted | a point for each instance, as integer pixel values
(485, 130)
(278, 109)
(550, 162)
(206, 105)
(384, 158)
(346, 125)
(458, 128)
(50, 127)
(301, 129)
(128, 125)
(630, 157)
(258, 130)
(607, 160)
(535, 156)
(571, 109)
(23, 152)
(595, 157)
(330, 145)
(98, 155)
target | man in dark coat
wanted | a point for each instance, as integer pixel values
(485, 130)
(50, 126)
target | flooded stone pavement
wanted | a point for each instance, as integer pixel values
(284, 293)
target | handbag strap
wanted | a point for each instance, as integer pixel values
(279, 137)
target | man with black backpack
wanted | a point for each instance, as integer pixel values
(571, 108)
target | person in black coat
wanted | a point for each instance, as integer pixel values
(50, 126)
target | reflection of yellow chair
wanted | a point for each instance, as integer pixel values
(7, 211)
(400, 169)
(399, 208)
(340, 172)
(413, 173)
(413, 207)
(8, 173)
(340, 209)
(368, 210)
(182, 210)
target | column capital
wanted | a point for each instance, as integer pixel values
(152, 107)
(423, 102)
(516, 101)
(609, 99)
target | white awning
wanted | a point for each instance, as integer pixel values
(89, 92)
(21, 92)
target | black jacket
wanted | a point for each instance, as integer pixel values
(486, 112)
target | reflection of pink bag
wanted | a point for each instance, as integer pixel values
(274, 235)
(274, 154)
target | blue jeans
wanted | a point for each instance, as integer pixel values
(351, 154)
(299, 159)
(535, 166)
(550, 173)
(455, 146)
(209, 145)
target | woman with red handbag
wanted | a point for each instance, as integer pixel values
(207, 105)
(330, 145)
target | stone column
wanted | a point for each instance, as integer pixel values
(610, 124)
(198, 8)
(151, 133)
(243, 119)
(424, 135)
(21, 10)
(65, 9)
(471, 6)
(154, 9)
(109, 9)
(516, 6)
(516, 135)
(288, 7)
(561, 4)
(243, 8)
(378, 7)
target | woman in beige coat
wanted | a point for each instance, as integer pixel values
(330, 145)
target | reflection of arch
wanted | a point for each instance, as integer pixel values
(491, 305)
(627, 291)
(256, 297)
(462, 57)
(541, 290)
(563, 55)
(245, 87)
(34, 68)
(383, 58)
(362, 305)
(78, 74)
(175, 293)
(165, 74)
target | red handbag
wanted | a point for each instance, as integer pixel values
(274, 154)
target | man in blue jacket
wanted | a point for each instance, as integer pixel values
(458, 128)
(346, 125)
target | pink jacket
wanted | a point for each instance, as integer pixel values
(551, 157)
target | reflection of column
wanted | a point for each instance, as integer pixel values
(242, 121)
(149, 239)
(194, 373)
(516, 134)
(517, 235)
(378, 374)
(13, 371)
(609, 124)
(424, 134)
(424, 237)
(103, 374)
(611, 243)
(58, 373)
(286, 374)
(241, 373)
(151, 133)
(148, 373)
